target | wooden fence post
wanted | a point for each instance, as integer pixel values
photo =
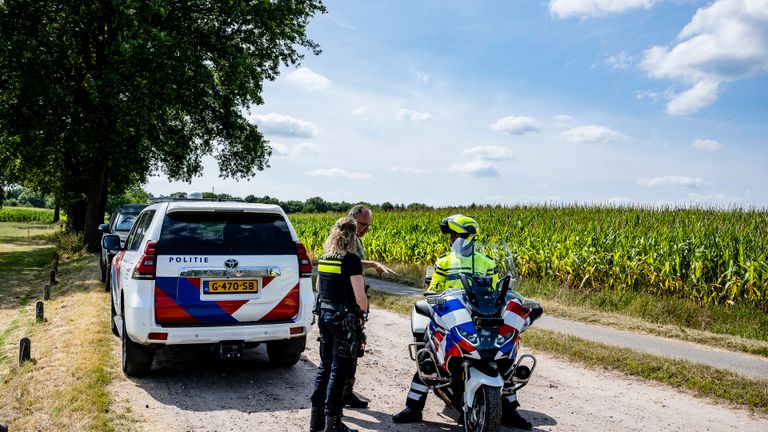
(53, 278)
(3, 427)
(39, 311)
(56, 262)
(25, 350)
(47, 292)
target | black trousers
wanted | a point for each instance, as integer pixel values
(336, 362)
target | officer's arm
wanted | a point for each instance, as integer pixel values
(358, 287)
(437, 283)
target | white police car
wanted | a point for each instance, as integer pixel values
(229, 274)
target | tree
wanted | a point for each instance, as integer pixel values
(96, 95)
(132, 195)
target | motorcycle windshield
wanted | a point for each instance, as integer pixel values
(487, 273)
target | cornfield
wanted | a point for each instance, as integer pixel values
(24, 214)
(711, 256)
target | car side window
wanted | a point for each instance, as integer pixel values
(139, 229)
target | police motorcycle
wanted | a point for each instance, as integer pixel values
(467, 340)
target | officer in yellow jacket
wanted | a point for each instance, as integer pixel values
(462, 259)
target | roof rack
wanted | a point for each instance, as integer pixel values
(172, 199)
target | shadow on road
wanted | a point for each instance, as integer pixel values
(194, 379)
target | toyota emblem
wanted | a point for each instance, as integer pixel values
(231, 263)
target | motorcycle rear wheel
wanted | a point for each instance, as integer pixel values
(485, 414)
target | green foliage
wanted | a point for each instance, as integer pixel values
(19, 214)
(133, 195)
(708, 256)
(96, 95)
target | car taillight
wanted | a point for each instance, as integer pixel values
(147, 265)
(305, 265)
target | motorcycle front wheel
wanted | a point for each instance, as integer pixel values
(485, 413)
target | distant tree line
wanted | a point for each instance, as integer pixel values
(310, 205)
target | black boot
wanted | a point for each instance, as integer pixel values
(317, 419)
(334, 424)
(353, 401)
(408, 415)
(513, 418)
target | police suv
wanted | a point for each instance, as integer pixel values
(228, 274)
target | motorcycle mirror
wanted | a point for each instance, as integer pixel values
(503, 291)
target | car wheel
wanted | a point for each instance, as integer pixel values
(112, 317)
(136, 359)
(103, 271)
(285, 353)
(107, 279)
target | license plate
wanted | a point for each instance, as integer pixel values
(231, 286)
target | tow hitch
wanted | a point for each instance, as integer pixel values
(230, 350)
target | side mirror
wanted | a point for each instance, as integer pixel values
(111, 242)
(104, 228)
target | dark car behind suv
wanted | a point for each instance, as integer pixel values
(120, 223)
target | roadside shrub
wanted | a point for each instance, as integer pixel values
(70, 244)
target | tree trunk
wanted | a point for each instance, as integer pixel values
(56, 213)
(76, 216)
(97, 203)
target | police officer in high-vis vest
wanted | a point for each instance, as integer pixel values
(340, 308)
(461, 260)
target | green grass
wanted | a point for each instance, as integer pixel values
(703, 381)
(16, 231)
(26, 214)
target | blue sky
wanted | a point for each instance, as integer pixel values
(453, 102)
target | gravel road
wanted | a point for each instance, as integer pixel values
(188, 390)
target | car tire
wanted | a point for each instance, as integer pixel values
(286, 353)
(103, 271)
(115, 331)
(107, 279)
(136, 359)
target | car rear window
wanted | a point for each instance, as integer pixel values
(225, 233)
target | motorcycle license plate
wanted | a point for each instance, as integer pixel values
(228, 286)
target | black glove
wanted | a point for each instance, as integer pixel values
(535, 313)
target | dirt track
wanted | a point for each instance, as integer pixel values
(190, 391)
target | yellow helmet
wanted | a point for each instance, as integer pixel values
(464, 226)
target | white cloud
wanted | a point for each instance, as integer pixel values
(304, 79)
(475, 168)
(619, 61)
(422, 76)
(360, 111)
(489, 152)
(339, 173)
(591, 134)
(515, 125)
(413, 116)
(689, 182)
(584, 8)
(702, 94)
(301, 149)
(725, 41)
(562, 120)
(707, 144)
(410, 170)
(279, 124)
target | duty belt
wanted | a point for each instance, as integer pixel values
(335, 307)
